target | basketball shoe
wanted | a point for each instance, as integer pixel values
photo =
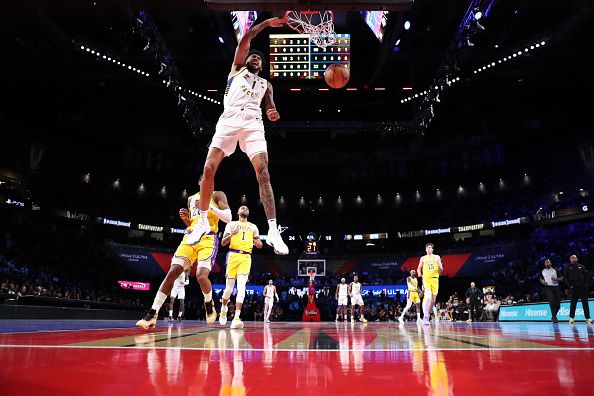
(211, 312)
(275, 240)
(236, 323)
(149, 321)
(223, 318)
(201, 228)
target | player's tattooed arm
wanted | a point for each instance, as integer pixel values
(243, 48)
(269, 105)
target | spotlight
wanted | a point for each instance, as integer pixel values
(407, 25)
(478, 14)
(82, 47)
(542, 43)
(221, 40)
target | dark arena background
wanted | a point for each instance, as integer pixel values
(466, 124)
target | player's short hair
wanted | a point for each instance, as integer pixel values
(259, 53)
(429, 244)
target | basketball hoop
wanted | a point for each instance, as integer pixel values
(318, 24)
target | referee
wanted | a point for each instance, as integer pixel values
(550, 280)
(577, 281)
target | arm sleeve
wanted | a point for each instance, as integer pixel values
(224, 215)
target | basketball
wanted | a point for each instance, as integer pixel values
(337, 75)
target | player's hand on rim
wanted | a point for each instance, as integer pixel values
(277, 22)
(272, 114)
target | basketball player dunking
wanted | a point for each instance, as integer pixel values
(430, 267)
(241, 236)
(413, 296)
(269, 296)
(241, 122)
(356, 299)
(185, 255)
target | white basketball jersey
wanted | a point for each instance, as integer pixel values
(245, 92)
(269, 291)
(356, 288)
(343, 290)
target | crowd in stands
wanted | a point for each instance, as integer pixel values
(70, 262)
(42, 259)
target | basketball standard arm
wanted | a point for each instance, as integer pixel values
(243, 48)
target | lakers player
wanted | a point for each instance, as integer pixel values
(269, 296)
(241, 236)
(430, 267)
(413, 296)
(205, 253)
(179, 292)
(342, 294)
(356, 299)
(241, 122)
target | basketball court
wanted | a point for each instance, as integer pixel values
(113, 357)
(70, 358)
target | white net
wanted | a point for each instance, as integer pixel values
(318, 24)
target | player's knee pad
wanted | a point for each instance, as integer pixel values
(241, 282)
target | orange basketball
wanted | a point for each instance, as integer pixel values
(337, 75)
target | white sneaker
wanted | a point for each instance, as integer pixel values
(223, 318)
(275, 240)
(362, 319)
(236, 323)
(400, 319)
(201, 228)
(352, 320)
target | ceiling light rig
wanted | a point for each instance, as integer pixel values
(451, 81)
(109, 59)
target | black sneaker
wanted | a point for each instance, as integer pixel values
(211, 312)
(180, 318)
(149, 320)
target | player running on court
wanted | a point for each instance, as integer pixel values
(430, 267)
(413, 296)
(241, 236)
(204, 252)
(269, 296)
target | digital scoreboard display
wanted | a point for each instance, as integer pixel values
(293, 57)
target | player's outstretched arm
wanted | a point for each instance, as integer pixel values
(243, 48)
(269, 105)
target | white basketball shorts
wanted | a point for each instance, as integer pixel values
(178, 292)
(343, 300)
(356, 299)
(235, 128)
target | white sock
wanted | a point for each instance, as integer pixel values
(224, 308)
(418, 315)
(204, 216)
(180, 313)
(272, 224)
(207, 296)
(171, 312)
(237, 313)
(159, 300)
(435, 312)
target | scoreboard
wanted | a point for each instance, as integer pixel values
(293, 57)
